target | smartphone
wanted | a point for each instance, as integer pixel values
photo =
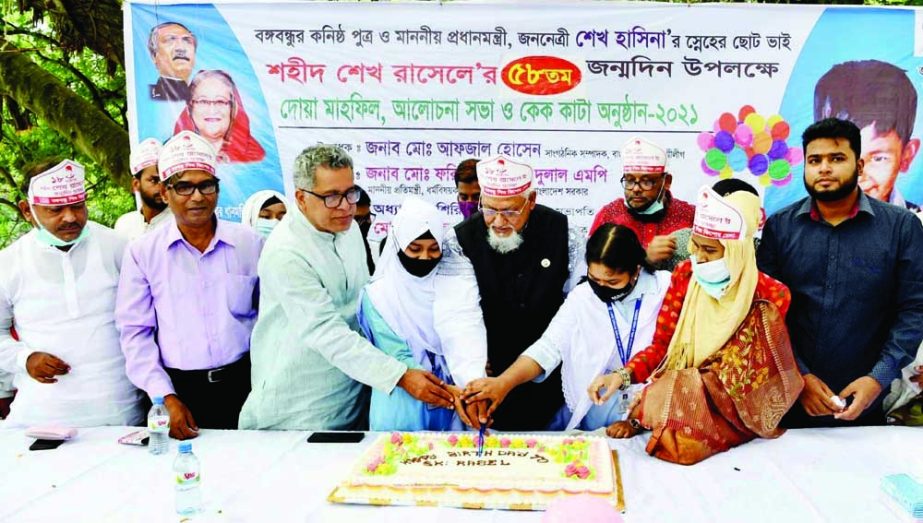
(46, 444)
(336, 437)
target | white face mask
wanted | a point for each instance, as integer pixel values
(264, 226)
(45, 236)
(713, 276)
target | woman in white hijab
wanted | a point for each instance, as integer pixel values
(396, 315)
(263, 210)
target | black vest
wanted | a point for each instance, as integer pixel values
(520, 293)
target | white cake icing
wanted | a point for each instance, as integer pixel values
(508, 462)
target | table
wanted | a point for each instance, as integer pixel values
(806, 475)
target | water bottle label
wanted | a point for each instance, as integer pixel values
(159, 423)
(188, 478)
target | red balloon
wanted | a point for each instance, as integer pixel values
(745, 111)
(727, 122)
(780, 131)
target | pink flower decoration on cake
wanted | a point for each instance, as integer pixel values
(568, 441)
(453, 440)
(477, 440)
(531, 443)
(396, 438)
(583, 472)
(570, 470)
(505, 442)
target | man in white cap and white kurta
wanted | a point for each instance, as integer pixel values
(57, 289)
(152, 210)
(504, 275)
(188, 297)
(661, 221)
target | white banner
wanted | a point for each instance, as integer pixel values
(412, 89)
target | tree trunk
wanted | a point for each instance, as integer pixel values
(96, 24)
(80, 122)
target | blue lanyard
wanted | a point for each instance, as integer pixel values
(623, 355)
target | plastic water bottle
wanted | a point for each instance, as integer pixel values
(158, 425)
(188, 481)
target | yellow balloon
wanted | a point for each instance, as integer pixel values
(756, 122)
(726, 173)
(762, 142)
(765, 181)
(773, 120)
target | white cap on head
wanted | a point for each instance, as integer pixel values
(501, 177)
(642, 156)
(415, 217)
(186, 151)
(145, 154)
(63, 184)
(716, 218)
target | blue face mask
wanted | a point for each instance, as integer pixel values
(264, 226)
(45, 236)
(713, 276)
(655, 207)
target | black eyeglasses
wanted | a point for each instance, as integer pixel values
(646, 184)
(332, 201)
(206, 188)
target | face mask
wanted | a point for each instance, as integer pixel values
(45, 236)
(417, 266)
(264, 226)
(467, 208)
(608, 294)
(712, 276)
(656, 206)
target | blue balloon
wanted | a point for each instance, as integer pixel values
(724, 141)
(737, 159)
(759, 164)
(778, 150)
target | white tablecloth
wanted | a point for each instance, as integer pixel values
(806, 475)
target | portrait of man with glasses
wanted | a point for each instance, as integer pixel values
(663, 223)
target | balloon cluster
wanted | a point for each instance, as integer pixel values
(750, 142)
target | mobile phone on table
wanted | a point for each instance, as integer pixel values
(46, 444)
(336, 437)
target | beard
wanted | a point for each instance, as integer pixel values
(503, 244)
(847, 188)
(152, 202)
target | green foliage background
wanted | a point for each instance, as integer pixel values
(24, 137)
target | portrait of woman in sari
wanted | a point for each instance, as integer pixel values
(215, 112)
(721, 361)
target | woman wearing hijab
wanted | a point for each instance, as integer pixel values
(721, 359)
(263, 210)
(396, 315)
(595, 331)
(215, 112)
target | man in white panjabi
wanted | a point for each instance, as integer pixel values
(57, 289)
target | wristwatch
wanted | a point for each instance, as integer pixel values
(635, 423)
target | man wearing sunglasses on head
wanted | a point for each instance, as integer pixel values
(188, 297)
(662, 222)
(504, 274)
(311, 365)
